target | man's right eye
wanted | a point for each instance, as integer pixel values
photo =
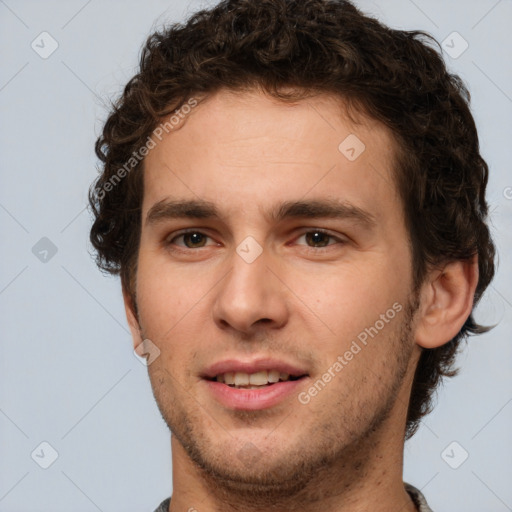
(190, 240)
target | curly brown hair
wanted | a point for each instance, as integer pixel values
(293, 49)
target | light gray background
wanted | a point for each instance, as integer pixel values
(67, 372)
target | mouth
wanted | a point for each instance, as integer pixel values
(252, 386)
(257, 380)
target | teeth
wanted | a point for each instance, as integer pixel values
(253, 380)
(241, 379)
(273, 376)
(258, 378)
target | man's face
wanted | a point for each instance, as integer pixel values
(267, 284)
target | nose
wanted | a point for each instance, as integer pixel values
(250, 297)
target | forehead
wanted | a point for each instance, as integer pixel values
(247, 149)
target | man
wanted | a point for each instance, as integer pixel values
(294, 198)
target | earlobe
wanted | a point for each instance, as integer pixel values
(131, 317)
(446, 301)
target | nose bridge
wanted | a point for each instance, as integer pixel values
(249, 293)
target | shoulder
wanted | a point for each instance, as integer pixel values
(164, 506)
(417, 497)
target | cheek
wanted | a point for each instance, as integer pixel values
(174, 310)
(349, 298)
(162, 296)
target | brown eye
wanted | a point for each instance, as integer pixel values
(317, 238)
(190, 240)
(194, 239)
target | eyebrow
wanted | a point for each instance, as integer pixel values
(311, 209)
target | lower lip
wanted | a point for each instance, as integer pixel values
(253, 399)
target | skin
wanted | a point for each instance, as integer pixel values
(199, 302)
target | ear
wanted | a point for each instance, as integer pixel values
(131, 317)
(446, 302)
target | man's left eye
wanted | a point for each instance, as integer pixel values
(318, 238)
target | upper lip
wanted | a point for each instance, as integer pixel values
(253, 366)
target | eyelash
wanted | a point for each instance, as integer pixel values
(338, 240)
